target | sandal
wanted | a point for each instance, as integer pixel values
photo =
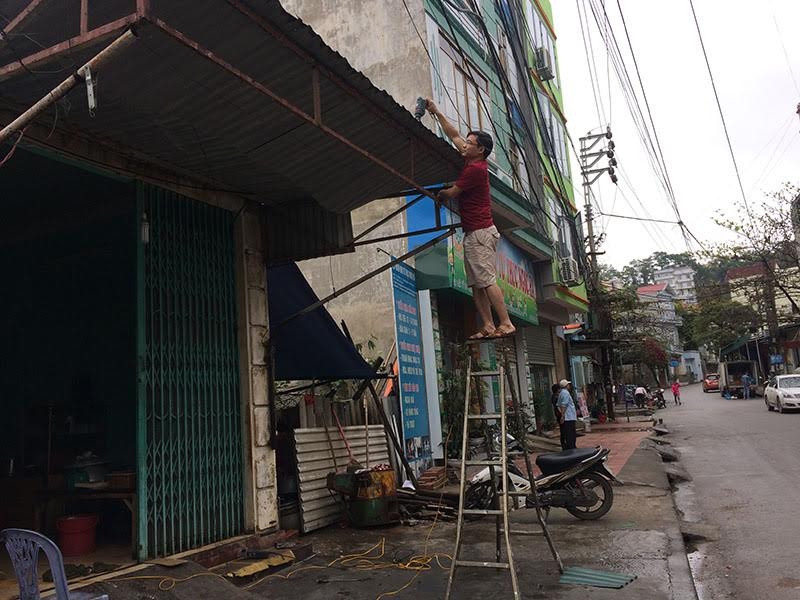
(502, 332)
(483, 334)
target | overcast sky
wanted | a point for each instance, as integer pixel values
(757, 92)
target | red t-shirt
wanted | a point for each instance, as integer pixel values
(475, 201)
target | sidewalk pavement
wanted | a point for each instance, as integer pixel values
(640, 536)
(622, 443)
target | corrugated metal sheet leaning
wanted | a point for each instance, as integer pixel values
(318, 506)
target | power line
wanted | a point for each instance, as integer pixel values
(631, 98)
(507, 90)
(638, 218)
(785, 53)
(652, 143)
(589, 63)
(544, 132)
(719, 107)
(535, 209)
(533, 99)
(649, 112)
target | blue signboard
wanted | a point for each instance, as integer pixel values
(411, 375)
(776, 359)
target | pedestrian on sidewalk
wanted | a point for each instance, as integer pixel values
(676, 392)
(568, 415)
(640, 395)
(554, 391)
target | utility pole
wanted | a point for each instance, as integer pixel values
(594, 148)
(589, 159)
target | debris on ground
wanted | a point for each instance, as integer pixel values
(676, 474)
(661, 430)
(417, 506)
(433, 479)
(668, 454)
(698, 532)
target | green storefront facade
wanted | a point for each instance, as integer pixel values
(139, 287)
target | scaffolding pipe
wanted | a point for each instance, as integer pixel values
(65, 86)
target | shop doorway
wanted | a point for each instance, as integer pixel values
(67, 353)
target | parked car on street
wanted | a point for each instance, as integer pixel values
(711, 382)
(783, 393)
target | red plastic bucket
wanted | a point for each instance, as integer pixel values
(76, 534)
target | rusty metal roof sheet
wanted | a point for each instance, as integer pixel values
(173, 104)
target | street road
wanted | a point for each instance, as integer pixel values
(745, 462)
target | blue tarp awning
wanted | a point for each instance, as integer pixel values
(310, 346)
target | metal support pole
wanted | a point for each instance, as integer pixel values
(367, 277)
(391, 435)
(65, 86)
(388, 217)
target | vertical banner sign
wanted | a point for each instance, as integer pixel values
(411, 376)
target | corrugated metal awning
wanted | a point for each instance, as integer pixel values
(223, 90)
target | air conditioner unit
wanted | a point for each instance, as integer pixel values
(544, 64)
(569, 271)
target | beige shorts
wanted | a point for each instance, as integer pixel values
(480, 251)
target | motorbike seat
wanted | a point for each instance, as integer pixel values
(557, 462)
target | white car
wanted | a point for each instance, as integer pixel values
(783, 393)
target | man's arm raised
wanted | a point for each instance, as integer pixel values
(449, 130)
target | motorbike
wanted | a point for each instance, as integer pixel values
(576, 480)
(658, 399)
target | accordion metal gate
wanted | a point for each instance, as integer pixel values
(189, 438)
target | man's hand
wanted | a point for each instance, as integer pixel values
(447, 127)
(431, 106)
(448, 194)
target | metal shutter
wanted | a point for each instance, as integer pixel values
(539, 344)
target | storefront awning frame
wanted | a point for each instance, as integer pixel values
(387, 150)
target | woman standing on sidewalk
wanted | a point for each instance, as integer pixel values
(676, 392)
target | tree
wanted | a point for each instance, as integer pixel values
(717, 323)
(766, 238)
(654, 357)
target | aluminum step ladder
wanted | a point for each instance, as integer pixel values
(502, 496)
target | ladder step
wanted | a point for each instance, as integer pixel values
(485, 416)
(486, 373)
(483, 463)
(482, 511)
(477, 563)
(523, 531)
(520, 494)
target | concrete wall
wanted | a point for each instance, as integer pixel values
(366, 309)
(377, 38)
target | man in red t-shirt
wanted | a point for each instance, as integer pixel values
(471, 191)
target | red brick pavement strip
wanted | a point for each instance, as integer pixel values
(622, 444)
